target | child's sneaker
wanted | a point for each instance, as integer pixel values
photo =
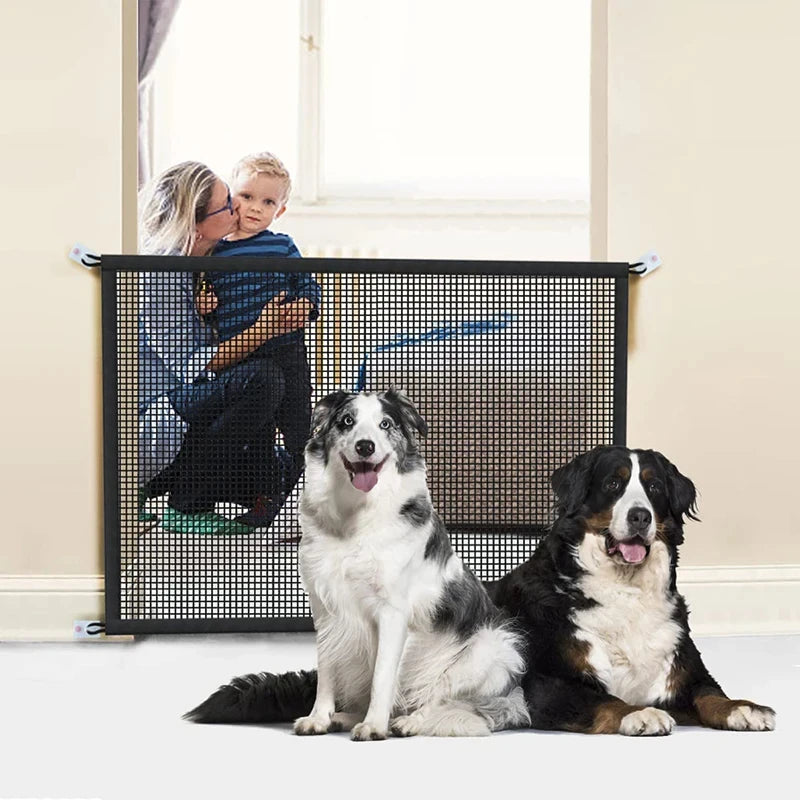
(262, 513)
(262, 516)
(205, 523)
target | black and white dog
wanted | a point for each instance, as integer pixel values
(609, 644)
(407, 637)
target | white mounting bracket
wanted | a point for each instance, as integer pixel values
(646, 264)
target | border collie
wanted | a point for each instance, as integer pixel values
(407, 638)
(608, 632)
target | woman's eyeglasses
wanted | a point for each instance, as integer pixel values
(227, 207)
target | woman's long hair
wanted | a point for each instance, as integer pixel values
(171, 205)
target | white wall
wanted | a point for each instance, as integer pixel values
(704, 165)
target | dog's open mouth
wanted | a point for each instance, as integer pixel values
(363, 474)
(632, 551)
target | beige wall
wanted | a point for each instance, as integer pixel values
(61, 162)
(704, 166)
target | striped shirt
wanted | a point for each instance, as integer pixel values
(242, 295)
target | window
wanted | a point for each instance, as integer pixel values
(226, 84)
(446, 100)
(453, 99)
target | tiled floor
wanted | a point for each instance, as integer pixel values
(102, 720)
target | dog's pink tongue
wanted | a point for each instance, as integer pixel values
(365, 480)
(632, 552)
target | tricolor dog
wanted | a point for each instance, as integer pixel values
(407, 638)
(609, 644)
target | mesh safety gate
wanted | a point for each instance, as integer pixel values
(209, 381)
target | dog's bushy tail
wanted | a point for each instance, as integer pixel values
(259, 698)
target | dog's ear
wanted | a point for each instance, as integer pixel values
(681, 492)
(325, 409)
(571, 482)
(406, 409)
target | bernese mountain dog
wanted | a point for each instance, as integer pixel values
(610, 649)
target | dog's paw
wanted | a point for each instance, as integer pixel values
(311, 725)
(408, 725)
(364, 732)
(646, 722)
(747, 716)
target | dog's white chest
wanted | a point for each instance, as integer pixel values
(631, 633)
(351, 575)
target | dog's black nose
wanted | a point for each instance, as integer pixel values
(639, 518)
(364, 447)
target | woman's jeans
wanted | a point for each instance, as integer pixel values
(229, 451)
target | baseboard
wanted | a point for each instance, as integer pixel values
(43, 607)
(740, 601)
(723, 601)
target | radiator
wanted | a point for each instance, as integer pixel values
(339, 251)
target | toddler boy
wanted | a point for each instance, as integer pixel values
(261, 186)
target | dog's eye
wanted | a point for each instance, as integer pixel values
(653, 487)
(386, 423)
(348, 421)
(612, 485)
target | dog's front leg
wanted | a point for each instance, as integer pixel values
(392, 632)
(319, 720)
(701, 696)
(715, 710)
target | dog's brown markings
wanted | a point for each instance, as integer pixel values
(661, 531)
(608, 716)
(677, 679)
(576, 654)
(713, 710)
(599, 522)
(624, 473)
(648, 473)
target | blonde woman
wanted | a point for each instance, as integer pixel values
(201, 403)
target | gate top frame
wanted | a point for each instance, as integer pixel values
(112, 264)
(573, 269)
